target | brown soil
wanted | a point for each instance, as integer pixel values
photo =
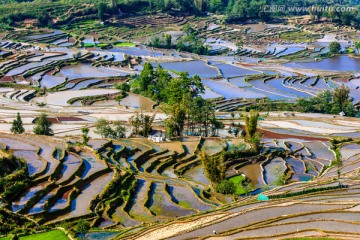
(273, 135)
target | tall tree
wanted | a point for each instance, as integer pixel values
(175, 123)
(251, 121)
(168, 40)
(334, 47)
(142, 123)
(43, 126)
(17, 125)
(146, 77)
(82, 228)
(102, 8)
(213, 166)
(85, 135)
(341, 99)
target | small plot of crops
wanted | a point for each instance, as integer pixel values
(52, 235)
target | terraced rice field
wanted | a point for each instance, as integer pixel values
(141, 187)
(79, 206)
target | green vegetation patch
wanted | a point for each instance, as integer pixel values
(89, 45)
(184, 204)
(124, 44)
(299, 37)
(237, 180)
(52, 235)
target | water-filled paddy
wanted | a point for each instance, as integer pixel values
(228, 70)
(79, 206)
(71, 164)
(17, 205)
(273, 170)
(277, 83)
(34, 163)
(185, 197)
(50, 81)
(259, 84)
(161, 203)
(229, 91)
(101, 235)
(138, 210)
(62, 98)
(254, 173)
(338, 63)
(239, 82)
(86, 71)
(83, 84)
(197, 174)
(192, 67)
(92, 164)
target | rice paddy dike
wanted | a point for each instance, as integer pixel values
(138, 189)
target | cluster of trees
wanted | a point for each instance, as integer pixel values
(214, 165)
(42, 126)
(329, 102)
(13, 177)
(188, 43)
(192, 116)
(160, 86)
(141, 124)
(334, 47)
(107, 129)
(165, 41)
(235, 10)
(180, 98)
(240, 10)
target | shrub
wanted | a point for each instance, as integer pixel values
(226, 187)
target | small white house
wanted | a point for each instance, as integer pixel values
(342, 114)
(157, 139)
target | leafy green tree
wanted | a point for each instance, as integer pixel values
(213, 166)
(175, 123)
(107, 129)
(85, 135)
(357, 47)
(342, 101)
(142, 123)
(329, 102)
(168, 40)
(187, 29)
(251, 122)
(17, 125)
(252, 137)
(43, 126)
(44, 19)
(226, 187)
(146, 77)
(102, 9)
(334, 47)
(82, 227)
